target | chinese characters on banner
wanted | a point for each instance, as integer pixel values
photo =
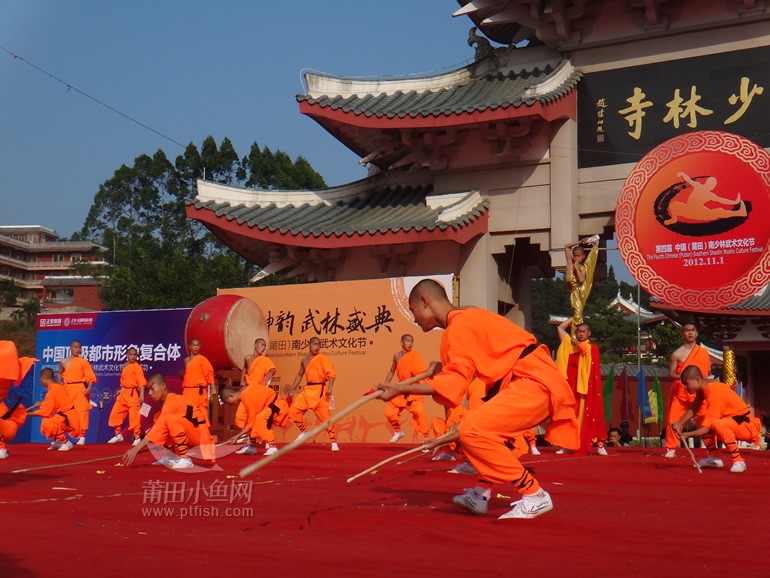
(106, 336)
(624, 113)
(360, 324)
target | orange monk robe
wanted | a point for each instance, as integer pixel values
(198, 375)
(13, 368)
(680, 400)
(75, 377)
(318, 372)
(132, 379)
(180, 426)
(258, 369)
(410, 365)
(481, 343)
(264, 410)
(59, 414)
(11, 419)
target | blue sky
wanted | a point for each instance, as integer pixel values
(186, 69)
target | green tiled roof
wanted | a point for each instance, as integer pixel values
(379, 211)
(758, 302)
(492, 91)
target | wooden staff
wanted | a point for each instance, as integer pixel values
(54, 466)
(309, 435)
(446, 438)
(692, 456)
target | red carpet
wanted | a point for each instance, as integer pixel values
(631, 513)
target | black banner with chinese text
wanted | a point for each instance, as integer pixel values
(625, 113)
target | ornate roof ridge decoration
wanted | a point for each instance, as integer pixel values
(385, 204)
(220, 193)
(507, 77)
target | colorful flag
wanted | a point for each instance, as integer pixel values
(607, 395)
(655, 403)
(642, 397)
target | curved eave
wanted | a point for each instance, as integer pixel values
(560, 108)
(440, 232)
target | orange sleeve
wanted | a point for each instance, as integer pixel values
(79, 370)
(721, 401)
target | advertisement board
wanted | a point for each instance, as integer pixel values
(106, 336)
(360, 324)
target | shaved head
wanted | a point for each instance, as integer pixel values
(428, 288)
(691, 372)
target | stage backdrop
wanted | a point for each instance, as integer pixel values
(106, 336)
(360, 324)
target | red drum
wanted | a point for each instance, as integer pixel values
(227, 326)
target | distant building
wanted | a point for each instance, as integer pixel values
(33, 257)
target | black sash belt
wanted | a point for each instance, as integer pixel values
(191, 418)
(9, 413)
(745, 418)
(274, 410)
(495, 389)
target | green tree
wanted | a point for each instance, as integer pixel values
(8, 293)
(28, 311)
(159, 258)
(666, 338)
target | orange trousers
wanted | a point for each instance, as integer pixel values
(126, 404)
(487, 431)
(77, 393)
(730, 432)
(181, 434)
(416, 407)
(56, 426)
(198, 396)
(311, 398)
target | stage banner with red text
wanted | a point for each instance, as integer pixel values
(692, 220)
(360, 324)
(157, 335)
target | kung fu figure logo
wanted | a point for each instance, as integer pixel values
(695, 208)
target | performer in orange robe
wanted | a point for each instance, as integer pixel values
(78, 378)
(407, 363)
(199, 382)
(13, 369)
(725, 415)
(257, 369)
(264, 410)
(319, 374)
(129, 399)
(179, 425)
(60, 416)
(580, 362)
(680, 401)
(524, 389)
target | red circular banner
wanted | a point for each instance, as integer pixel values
(692, 220)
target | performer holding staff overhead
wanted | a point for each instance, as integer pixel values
(579, 275)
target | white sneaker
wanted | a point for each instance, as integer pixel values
(562, 451)
(81, 441)
(65, 447)
(396, 436)
(335, 447)
(534, 451)
(114, 440)
(3, 454)
(55, 445)
(247, 450)
(271, 450)
(711, 462)
(473, 500)
(464, 468)
(738, 467)
(136, 442)
(182, 464)
(443, 457)
(530, 506)
(669, 454)
(167, 460)
(601, 451)
(243, 439)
